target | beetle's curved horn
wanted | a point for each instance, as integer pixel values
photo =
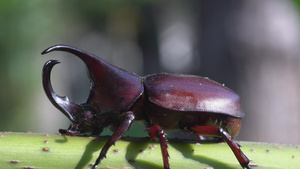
(92, 61)
(112, 88)
(65, 105)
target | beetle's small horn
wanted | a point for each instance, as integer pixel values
(65, 105)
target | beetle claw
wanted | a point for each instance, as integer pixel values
(62, 131)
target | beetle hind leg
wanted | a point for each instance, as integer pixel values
(218, 131)
(155, 132)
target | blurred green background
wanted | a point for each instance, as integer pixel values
(250, 46)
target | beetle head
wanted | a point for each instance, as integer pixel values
(84, 124)
(81, 115)
(112, 90)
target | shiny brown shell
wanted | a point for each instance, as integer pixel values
(188, 93)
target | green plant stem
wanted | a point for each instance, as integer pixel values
(19, 150)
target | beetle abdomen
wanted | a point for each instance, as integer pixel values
(192, 94)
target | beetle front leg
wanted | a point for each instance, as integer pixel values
(218, 131)
(123, 127)
(157, 133)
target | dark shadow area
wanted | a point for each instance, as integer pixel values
(64, 140)
(145, 164)
(133, 150)
(187, 152)
(91, 147)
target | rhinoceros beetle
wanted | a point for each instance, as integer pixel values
(162, 101)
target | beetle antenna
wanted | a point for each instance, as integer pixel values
(65, 105)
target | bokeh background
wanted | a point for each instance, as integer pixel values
(253, 47)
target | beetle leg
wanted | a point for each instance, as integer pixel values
(155, 132)
(123, 127)
(218, 131)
